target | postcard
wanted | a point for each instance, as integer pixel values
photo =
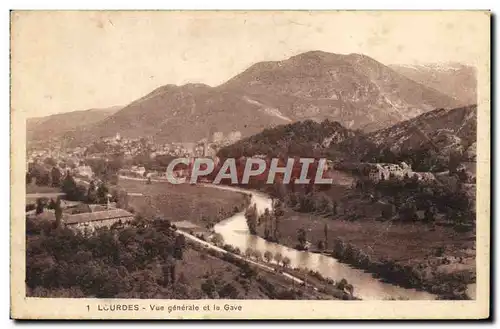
(250, 164)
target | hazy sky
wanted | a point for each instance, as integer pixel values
(67, 61)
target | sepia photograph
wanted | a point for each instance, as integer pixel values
(249, 164)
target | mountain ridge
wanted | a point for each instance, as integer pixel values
(353, 89)
(56, 125)
(454, 79)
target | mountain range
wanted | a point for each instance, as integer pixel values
(456, 80)
(56, 125)
(437, 133)
(354, 90)
(434, 135)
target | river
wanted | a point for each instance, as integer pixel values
(235, 232)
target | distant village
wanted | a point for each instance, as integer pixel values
(143, 158)
(76, 162)
(76, 159)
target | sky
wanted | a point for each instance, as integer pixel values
(77, 60)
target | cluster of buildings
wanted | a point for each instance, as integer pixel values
(207, 146)
(84, 217)
(388, 171)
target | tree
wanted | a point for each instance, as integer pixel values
(267, 218)
(217, 239)
(278, 257)
(180, 243)
(122, 199)
(70, 188)
(268, 256)
(454, 162)
(39, 206)
(325, 231)
(286, 261)
(91, 193)
(56, 177)
(58, 212)
(387, 212)
(429, 214)
(249, 252)
(228, 290)
(409, 211)
(301, 237)
(335, 208)
(278, 213)
(50, 162)
(252, 217)
(257, 254)
(342, 284)
(102, 193)
(210, 287)
(168, 270)
(349, 288)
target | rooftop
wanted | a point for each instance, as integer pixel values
(97, 216)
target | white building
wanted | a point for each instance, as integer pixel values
(379, 171)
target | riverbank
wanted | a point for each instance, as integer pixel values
(235, 233)
(273, 280)
(432, 258)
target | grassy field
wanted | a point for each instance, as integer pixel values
(436, 253)
(399, 242)
(196, 204)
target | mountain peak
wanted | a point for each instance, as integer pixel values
(317, 55)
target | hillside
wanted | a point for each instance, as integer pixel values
(183, 114)
(456, 80)
(56, 125)
(355, 90)
(306, 138)
(438, 133)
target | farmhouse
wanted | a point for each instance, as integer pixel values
(91, 220)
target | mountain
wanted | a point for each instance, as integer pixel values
(441, 127)
(440, 133)
(355, 90)
(456, 80)
(306, 138)
(185, 114)
(56, 125)
(427, 142)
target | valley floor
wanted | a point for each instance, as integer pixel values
(196, 204)
(433, 258)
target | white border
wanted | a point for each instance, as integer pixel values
(145, 4)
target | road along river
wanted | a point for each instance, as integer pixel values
(235, 232)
